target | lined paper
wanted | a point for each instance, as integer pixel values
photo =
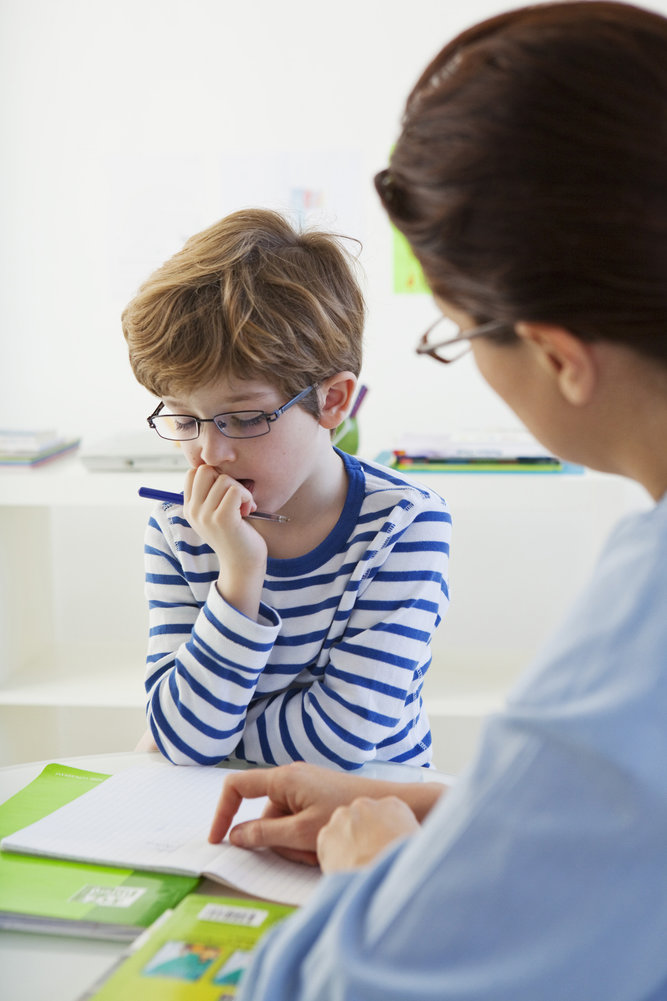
(158, 819)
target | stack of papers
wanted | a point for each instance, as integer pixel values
(24, 448)
(474, 451)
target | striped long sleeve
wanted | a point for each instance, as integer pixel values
(332, 670)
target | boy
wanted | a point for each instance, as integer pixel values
(300, 639)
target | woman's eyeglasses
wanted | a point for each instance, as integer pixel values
(455, 347)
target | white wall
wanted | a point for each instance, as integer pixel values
(119, 124)
(125, 127)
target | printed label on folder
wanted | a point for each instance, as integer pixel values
(247, 916)
(109, 896)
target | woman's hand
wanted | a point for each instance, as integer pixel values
(216, 506)
(356, 834)
(302, 799)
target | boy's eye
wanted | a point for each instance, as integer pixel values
(242, 424)
(183, 424)
(241, 421)
(248, 420)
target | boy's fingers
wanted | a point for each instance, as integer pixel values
(187, 486)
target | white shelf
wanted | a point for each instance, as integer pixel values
(117, 685)
(73, 620)
(109, 677)
(68, 482)
(476, 705)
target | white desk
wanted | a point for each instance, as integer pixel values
(61, 968)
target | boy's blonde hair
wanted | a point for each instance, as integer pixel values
(248, 298)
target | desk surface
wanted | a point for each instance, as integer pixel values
(62, 968)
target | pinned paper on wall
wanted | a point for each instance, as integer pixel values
(304, 201)
(408, 275)
(321, 188)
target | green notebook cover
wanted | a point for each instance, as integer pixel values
(72, 898)
(197, 952)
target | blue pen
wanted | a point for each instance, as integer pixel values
(167, 495)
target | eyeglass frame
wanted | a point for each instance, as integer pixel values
(269, 417)
(483, 330)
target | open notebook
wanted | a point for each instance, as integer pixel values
(158, 819)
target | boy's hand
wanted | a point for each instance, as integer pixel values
(356, 834)
(216, 506)
(147, 742)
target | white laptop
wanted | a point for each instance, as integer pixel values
(136, 451)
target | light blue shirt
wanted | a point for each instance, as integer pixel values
(542, 876)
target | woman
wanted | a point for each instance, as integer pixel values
(529, 178)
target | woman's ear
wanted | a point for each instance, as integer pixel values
(336, 396)
(571, 362)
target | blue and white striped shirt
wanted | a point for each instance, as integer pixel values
(332, 671)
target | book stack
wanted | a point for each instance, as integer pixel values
(197, 952)
(46, 895)
(182, 945)
(156, 819)
(513, 451)
(24, 449)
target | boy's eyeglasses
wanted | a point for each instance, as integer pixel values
(455, 347)
(237, 424)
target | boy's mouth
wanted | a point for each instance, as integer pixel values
(248, 484)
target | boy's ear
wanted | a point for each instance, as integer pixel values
(336, 397)
(570, 361)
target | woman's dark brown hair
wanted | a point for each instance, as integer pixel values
(530, 176)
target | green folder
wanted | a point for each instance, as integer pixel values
(197, 952)
(72, 898)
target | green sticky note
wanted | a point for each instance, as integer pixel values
(408, 275)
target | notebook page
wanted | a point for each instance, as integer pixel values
(265, 874)
(158, 818)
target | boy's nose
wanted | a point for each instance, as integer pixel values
(214, 446)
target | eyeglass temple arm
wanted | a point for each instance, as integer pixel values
(281, 410)
(157, 410)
